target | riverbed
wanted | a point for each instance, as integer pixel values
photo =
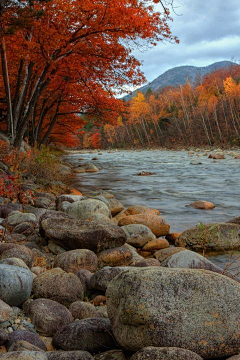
(175, 183)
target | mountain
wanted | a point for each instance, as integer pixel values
(180, 75)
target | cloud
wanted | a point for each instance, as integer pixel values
(208, 32)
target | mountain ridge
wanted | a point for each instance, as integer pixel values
(179, 75)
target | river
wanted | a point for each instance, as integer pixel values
(175, 183)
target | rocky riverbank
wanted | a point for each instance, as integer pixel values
(84, 277)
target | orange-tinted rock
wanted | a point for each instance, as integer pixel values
(155, 223)
(172, 237)
(114, 257)
(145, 254)
(155, 245)
(140, 209)
(202, 205)
(100, 299)
(163, 254)
(75, 192)
(48, 342)
(147, 263)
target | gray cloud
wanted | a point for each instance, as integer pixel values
(208, 31)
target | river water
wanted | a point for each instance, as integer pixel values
(175, 183)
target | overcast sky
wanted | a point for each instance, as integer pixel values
(208, 30)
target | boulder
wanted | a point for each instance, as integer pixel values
(48, 316)
(163, 254)
(155, 223)
(202, 205)
(18, 251)
(17, 217)
(15, 285)
(86, 209)
(111, 355)
(102, 278)
(197, 310)
(82, 310)
(155, 245)
(59, 286)
(74, 260)
(138, 235)
(5, 210)
(24, 228)
(119, 256)
(92, 334)
(213, 237)
(165, 353)
(27, 336)
(67, 197)
(75, 234)
(69, 355)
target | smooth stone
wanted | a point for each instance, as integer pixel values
(59, 286)
(140, 209)
(18, 251)
(202, 205)
(49, 316)
(154, 306)
(74, 260)
(14, 262)
(190, 260)
(28, 336)
(135, 255)
(147, 262)
(55, 249)
(82, 310)
(85, 277)
(156, 244)
(86, 209)
(67, 197)
(120, 256)
(165, 353)
(163, 254)
(91, 168)
(17, 217)
(138, 235)
(15, 285)
(22, 345)
(156, 223)
(92, 334)
(115, 206)
(212, 237)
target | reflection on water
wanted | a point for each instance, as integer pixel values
(175, 183)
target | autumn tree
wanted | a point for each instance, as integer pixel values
(72, 58)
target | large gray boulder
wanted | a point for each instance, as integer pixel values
(212, 237)
(15, 284)
(197, 310)
(17, 217)
(86, 209)
(171, 353)
(76, 234)
(92, 334)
